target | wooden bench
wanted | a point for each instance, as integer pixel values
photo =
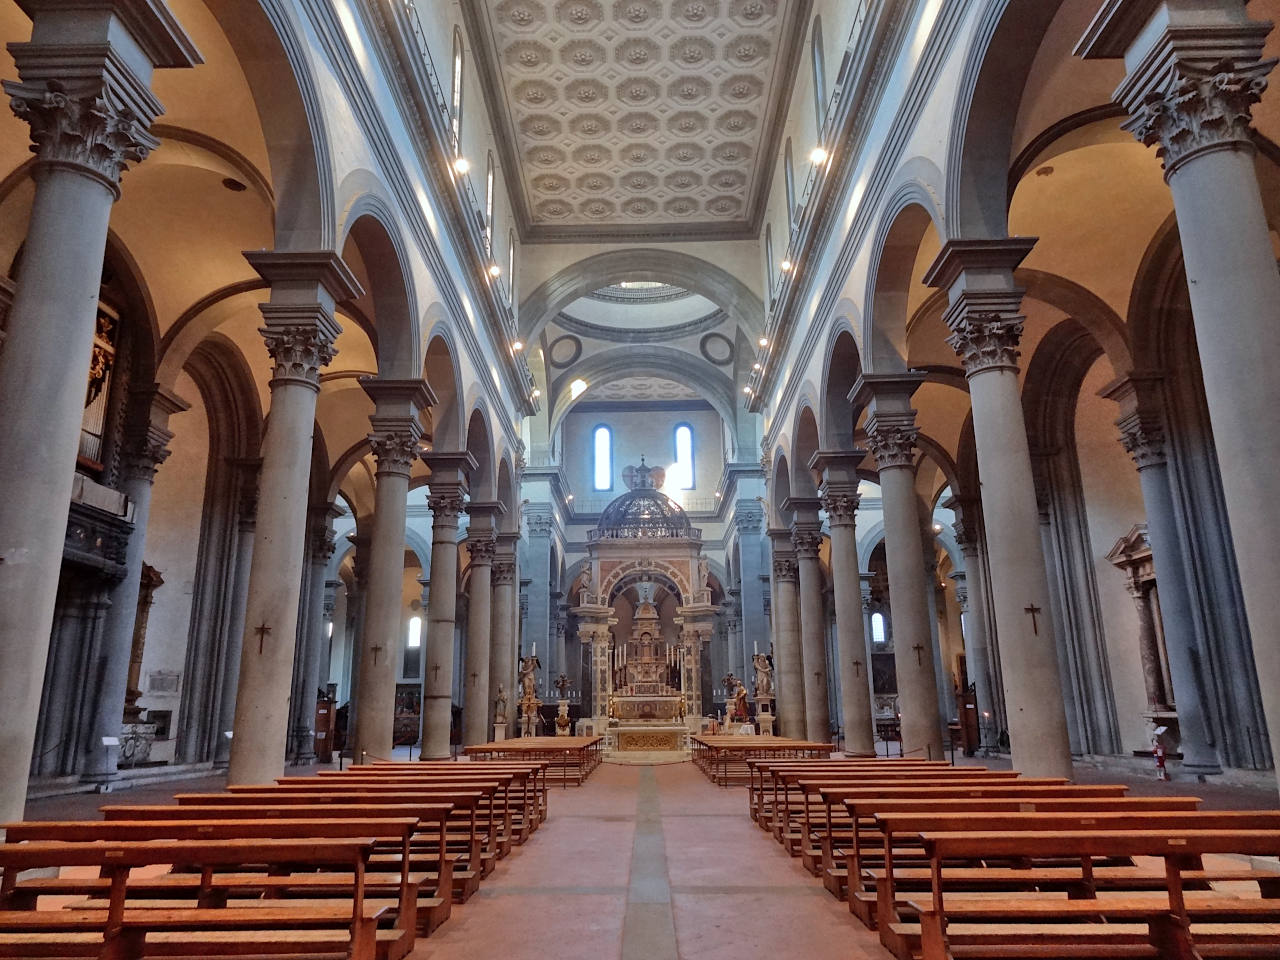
(1174, 924)
(760, 770)
(121, 932)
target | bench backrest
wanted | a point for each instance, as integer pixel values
(1101, 843)
(898, 823)
(422, 812)
(867, 808)
(80, 831)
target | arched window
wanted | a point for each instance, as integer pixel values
(602, 453)
(684, 457)
(412, 664)
(877, 628)
(789, 174)
(415, 633)
(768, 258)
(511, 267)
(455, 101)
(819, 76)
(488, 202)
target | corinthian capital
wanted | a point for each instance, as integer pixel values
(74, 124)
(893, 445)
(807, 541)
(1143, 439)
(841, 508)
(986, 341)
(502, 572)
(1201, 108)
(395, 445)
(446, 506)
(784, 569)
(482, 549)
(146, 453)
(298, 351)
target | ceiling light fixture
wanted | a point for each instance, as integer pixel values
(536, 393)
(756, 366)
(517, 345)
(763, 341)
(786, 266)
(747, 391)
(495, 271)
(819, 156)
(461, 165)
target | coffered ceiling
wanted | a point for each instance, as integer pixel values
(637, 118)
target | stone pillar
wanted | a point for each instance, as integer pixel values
(247, 508)
(976, 650)
(481, 544)
(1195, 72)
(300, 330)
(733, 636)
(1142, 434)
(85, 91)
(788, 661)
(396, 433)
(891, 435)
(753, 574)
(502, 660)
(447, 484)
(146, 450)
(806, 538)
(985, 333)
(311, 637)
(540, 522)
(840, 501)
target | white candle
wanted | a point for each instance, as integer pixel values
(534, 651)
(755, 646)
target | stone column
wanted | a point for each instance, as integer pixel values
(753, 573)
(1194, 73)
(146, 450)
(481, 544)
(891, 435)
(985, 332)
(247, 508)
(540, 522)
(1142, 434)
(976, 650)
(85, 91)
(788, 661)
(299, 332)
(806, 538)
(446, 486)
(311, 636)
(840, 501)
(394, 439)
(502, 661)
(733, 637)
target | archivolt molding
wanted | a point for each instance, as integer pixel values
(635, 569)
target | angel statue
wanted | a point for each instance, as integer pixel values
(764, 675)
(529, 676)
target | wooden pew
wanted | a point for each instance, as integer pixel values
(1174, 923)
(122, 932)
(467, 851)
(835, 874)
(759, 774)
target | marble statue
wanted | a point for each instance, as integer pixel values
(764, 675)
(528, 676)
(740, 711)
(500, 706)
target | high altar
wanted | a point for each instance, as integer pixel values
(645, 678)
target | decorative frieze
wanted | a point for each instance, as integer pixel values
(74, 124)
(1201, 109)
(986, 341)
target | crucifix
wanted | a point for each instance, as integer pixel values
(474, 676)
(377, 649)
(262, 632)
(857, 668)
(435, 672)
(817, 676)
(1035, 625)
(919, 649)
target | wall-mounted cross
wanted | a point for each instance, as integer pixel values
(817, 676)
(1035, 625)
(474, 677)
(377, 649)
(857, 668)
(435, 672)
(262, 632)
(919, 649)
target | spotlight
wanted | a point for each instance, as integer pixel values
(819, 156)
(786, 266)
(746, 390)
(517, 345)
(461, 165)
(495, 271)
(536, 393)
(756, 366)
(763, 341)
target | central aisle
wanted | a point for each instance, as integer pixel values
(650, 863)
